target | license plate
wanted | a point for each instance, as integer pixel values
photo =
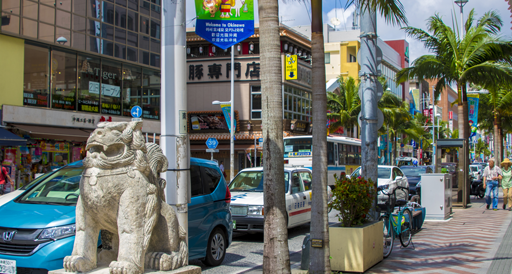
(234, 224)
(7, 266)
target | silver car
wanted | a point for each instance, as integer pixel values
(389, 177)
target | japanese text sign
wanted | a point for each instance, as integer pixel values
(224, 22)
(290, 67)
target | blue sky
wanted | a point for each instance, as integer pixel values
(295, 13)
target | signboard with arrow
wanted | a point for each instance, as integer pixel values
(290, 67)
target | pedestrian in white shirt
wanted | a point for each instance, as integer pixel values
(491, 176)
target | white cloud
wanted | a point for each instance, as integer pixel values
(343, 15)
(418, 12)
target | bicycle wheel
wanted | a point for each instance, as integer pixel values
(388, 237)
(406, 228)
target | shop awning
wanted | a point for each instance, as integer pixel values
(10, 139)
(68, 134)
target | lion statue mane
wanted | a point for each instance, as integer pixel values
(122, 195)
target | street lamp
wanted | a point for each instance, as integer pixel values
(461, 4)
(438, 117)
(62, 40)
(231, 136)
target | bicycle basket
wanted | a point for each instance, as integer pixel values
(388, 203)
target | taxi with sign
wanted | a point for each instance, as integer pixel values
(247, 198)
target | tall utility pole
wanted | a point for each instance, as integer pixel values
(461, 4)
(174, 138)
(370, 92)
(319, 256)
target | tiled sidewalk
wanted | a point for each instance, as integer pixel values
(467, 243)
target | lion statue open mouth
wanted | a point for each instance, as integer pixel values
(122, 194)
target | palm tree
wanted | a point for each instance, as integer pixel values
(393, 11)
(495, 115)
(276, 257)
(477, 58)
(398, 121)
(481, 148)
(343, 105)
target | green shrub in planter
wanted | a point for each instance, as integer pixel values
(353, 198)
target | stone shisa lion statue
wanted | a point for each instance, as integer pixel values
(121, 192)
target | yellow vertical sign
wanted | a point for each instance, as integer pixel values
(290, 67)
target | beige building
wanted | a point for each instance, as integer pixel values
(208, 73)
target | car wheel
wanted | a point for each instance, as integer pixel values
(216, 250)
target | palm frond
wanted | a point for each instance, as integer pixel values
(392, 10)
(491, 21)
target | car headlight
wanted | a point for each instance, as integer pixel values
(255, 210)
(59, 232)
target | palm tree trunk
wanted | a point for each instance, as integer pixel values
(319, 257)
(388, 139)
(503, 144)
(497, 140)
(394, 150)
(276, 256)
(463, 184)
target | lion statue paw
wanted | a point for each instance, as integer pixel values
(78, 264)
(124, 267)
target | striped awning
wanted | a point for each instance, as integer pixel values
(223, 136)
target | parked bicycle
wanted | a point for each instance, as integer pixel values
(396, 223)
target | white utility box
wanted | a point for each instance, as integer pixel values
(436, 195)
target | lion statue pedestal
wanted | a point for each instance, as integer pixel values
(122, 195)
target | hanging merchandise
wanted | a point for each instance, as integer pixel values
(24, 150)
(11, 171)
(76, 154)
(45, 158)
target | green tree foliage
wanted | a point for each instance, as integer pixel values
(481, 57)
(344, 104)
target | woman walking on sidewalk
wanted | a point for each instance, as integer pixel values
(506, 183)
(492, 174)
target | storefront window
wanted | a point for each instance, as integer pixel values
(255, 102)
(297, 104)
(63, 80)
(89, 72)
(111, 76)
(151, 94)
(132, 89)
(35, 82)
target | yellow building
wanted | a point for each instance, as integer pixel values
(340, 59)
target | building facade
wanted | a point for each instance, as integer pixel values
(209, 72)
(341, 51)
(68, 65)
(75, 63)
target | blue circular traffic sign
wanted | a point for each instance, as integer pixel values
(136, 112)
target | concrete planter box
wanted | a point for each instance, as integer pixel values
(355, 249)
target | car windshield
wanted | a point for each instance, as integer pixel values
(60, 188)
(474, 168)
(252, 181)
(35, 181)
(450, 168)
(414, 172)
(383, 173)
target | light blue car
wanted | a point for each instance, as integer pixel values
(37, 229)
